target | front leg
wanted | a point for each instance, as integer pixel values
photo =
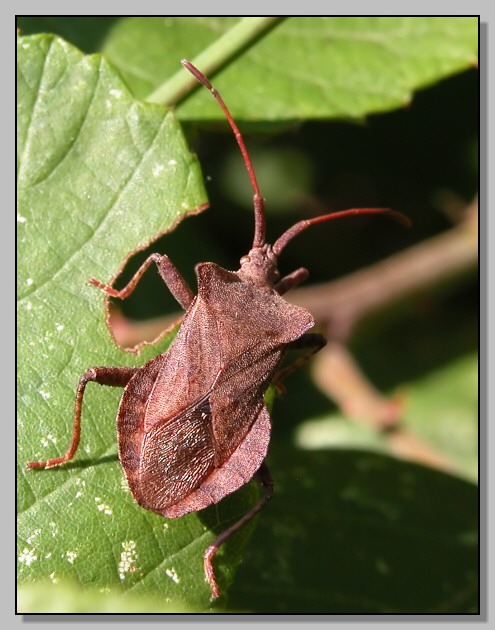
(170, 275)
(112, 376)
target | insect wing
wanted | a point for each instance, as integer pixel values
(188, 370)
(177, 456)
(236, 471)
(253, 326)
(237, 398)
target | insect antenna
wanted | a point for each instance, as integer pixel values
(299, 227)
(259, 204)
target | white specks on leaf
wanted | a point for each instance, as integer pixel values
(81, 483)
(45, 441)
(157, 169)
(44, 395)
(59, 327)
(353, 494)
(71, 556)
(54, 578)
(172, 162)
(133, 116)
(80, 86)
(34, 535)
(28, 306)
(123, 484)
(21, 219)
(54, 528)
(28, 556)
(172, 574)
(128, 559)
(115, 93)
(103, 507)
(29, 281)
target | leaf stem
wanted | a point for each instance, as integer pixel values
(247, 31)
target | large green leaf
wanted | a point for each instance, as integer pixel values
(311, 67)
(355, 532)
(99, 174)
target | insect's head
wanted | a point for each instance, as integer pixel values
(260, 264)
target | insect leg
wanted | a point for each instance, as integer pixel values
(170, 275)
(313, 342)
(291, 280)
(264, 477)
(113, 376)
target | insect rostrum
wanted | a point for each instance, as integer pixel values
(192, 425)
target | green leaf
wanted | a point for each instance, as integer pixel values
(354, 532)
(66, 598)
(440, 408)
(99, 175)
(443, 410)
(313, 67)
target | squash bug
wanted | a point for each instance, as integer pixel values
(192, 424)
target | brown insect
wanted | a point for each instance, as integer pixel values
(192, 425)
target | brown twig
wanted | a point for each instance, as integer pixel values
(341, 305)
(338, 375)
(440, 260)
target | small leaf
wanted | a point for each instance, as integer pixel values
(440, 408)
(443, 410)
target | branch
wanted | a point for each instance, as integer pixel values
(436, 262)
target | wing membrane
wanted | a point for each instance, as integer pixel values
(176, 456)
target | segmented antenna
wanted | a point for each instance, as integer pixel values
(259, 205)
(299, 227)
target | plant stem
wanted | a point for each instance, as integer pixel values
(242, 35)
(435, 262)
